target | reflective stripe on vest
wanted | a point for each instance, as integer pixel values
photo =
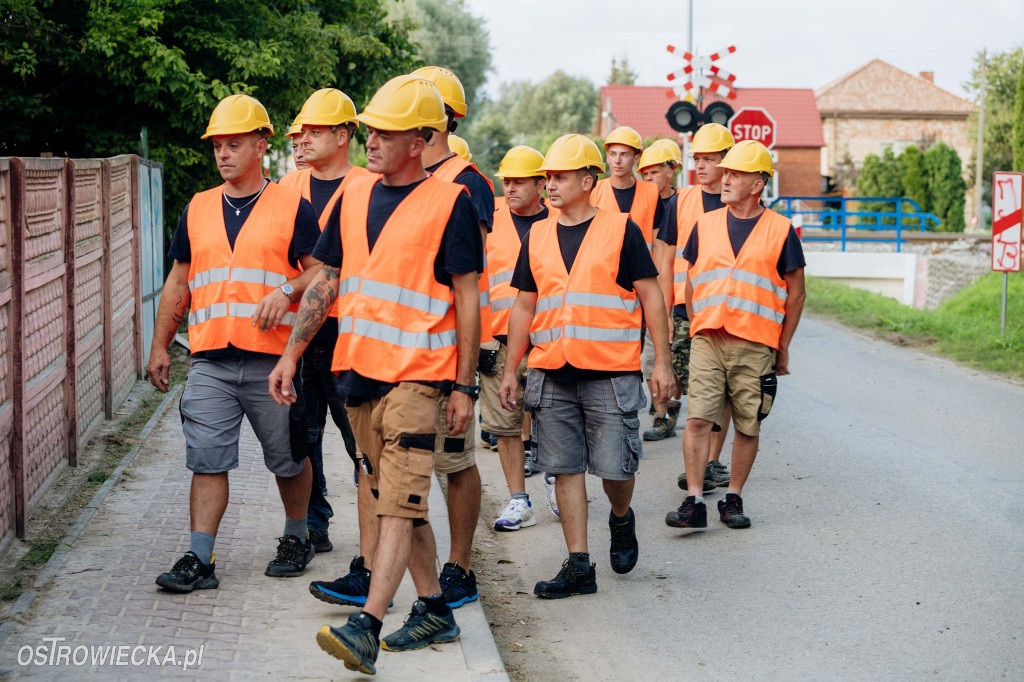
(643, 210)
(743, 293)
(227, 283)
(396, 321)
(583, 317)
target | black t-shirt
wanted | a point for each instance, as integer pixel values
(480, 192)
(461, 251)
(624, 198)
(791, 258)
(321, 191)
(305, 234)
(523, 225)
(634, 263)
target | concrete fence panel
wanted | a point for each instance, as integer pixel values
(6, 360)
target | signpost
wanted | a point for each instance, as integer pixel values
(1007, 203)
(753, 123)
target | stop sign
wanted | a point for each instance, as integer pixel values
(753, 123)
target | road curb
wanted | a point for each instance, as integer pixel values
(477, 642)
(59, 555)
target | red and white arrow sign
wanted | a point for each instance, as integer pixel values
(1007, 216)
(701, 71)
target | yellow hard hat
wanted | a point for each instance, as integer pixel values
(627, 136)
(327, 107)
(448, 84)
(294, 129)
(460, 147)
(656, 154)
(669, 144)
(521, 162)
(572, 152)
(711, 138)
(749, 156)
(237, 114)
(405, 103)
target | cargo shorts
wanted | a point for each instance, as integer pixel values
(587, 425)
(396, 434)
(681, 351)
(725, 368)
(495, 418)
(218, 393)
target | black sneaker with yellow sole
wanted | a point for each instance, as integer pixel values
(354, 643)
(422, 627)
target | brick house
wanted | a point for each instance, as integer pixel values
(799, 137)
(879, 106)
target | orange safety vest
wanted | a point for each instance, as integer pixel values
(226, 284)
(502, 253)
(643, 210)
(583, 317)
(743, 294)
(689, 207)
(396, 321)
(299, 179)
(449, 170)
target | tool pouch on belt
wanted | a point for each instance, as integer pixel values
(769, 385)
(488, 361)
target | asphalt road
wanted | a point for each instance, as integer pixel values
(887, 543)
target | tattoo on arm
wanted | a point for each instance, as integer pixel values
(178, 315)
(313, 309)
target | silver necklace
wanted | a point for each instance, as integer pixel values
(238, 209)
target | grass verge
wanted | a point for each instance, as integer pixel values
(964, 328)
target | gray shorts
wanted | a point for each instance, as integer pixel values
(216, 396)
(587, 425)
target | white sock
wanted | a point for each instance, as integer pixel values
(699, 499)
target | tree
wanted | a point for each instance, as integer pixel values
(621, 73)
(1018, 123)
(488, 140)
(913, 178)
(559, 104)
(946, 186)
(1002, 74)
(447, 35)
(82, 77)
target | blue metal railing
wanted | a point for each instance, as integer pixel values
(833, 213)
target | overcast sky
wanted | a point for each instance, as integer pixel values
(781, 43)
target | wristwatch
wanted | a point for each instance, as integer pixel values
(472, 391)
(288, 290)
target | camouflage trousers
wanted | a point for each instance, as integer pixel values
(681, 351)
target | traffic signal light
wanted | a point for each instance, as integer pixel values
(684, 117)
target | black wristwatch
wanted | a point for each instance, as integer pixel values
(472, 391)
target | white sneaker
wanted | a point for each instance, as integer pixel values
(518, 514)
(549, 481)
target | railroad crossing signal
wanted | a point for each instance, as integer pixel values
(702, 73)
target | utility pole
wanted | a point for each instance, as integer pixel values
(980, 153)
(689, 24)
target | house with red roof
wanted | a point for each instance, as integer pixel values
(799, 136)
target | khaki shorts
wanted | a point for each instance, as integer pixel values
(727, 368)
(452, 455)
(496, 419)
(396, 435)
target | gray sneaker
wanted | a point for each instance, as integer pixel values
(717, 473)
(661, 429)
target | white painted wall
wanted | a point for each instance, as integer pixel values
(890, 274)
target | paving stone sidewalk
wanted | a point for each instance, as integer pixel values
(104, 594)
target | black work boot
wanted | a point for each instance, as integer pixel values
(690, 514)
(573, 578)
(625, 550)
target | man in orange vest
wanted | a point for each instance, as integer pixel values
(456, 457)
(658, 166)
(401, 253)
(744, 293)
(709, 146)
(523, 184)
(327, 122)
(294, 135)
(622, 192)
(582, 277)
(242, 259)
